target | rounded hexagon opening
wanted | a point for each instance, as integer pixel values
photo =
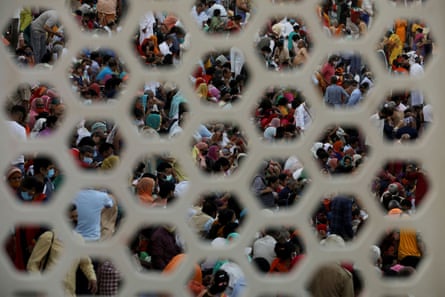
(98, 75)
(404, 116)
(338, 218)
(280, 183)
(344, 80)
(37, 107)
(221, 78)
(157, 248)
(98, 17)
(161, 40)
(216, 217)
(218, 148)
(24, 247)
(95, 213)
(97, 144)
(406, 47)
(221, 17)
(400, 186)
(340, 150)
(342, 277)
(158, 180)
(36, 37)
(282, 113)
(159, 110)
(277, 249)
(284, 43)
(398, 253)
(346, 20)
(34, 179)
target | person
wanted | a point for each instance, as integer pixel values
(335, 95)
(51, 247)
(14, 125)
(218, 284)
(107, 11)
(341, 217)
(331, 280)
(357, 95)
(109, 279)
(144, 190)
(163, 246)
(44, 171)
(89, 204)
(14, 178)
(40, 27)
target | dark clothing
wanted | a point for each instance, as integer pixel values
(162, 247)
(341, 217)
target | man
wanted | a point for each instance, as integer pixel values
(303, 118)
(49, 242)
(40, 27)
(341, 217)
(198, 13)
(17, 116)
(44, 171)
(335, 95)
(89, 204)
(358, 93)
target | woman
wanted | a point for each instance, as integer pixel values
(14, 177)
(144, 190)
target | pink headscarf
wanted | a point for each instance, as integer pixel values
(275, 122)
(213, 152)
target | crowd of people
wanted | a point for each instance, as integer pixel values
(98, 15)
(344, 80)
(221, 77)
(346, 19)
(98, 76)
(34, 111)
(282, 114)
(36, 37)
(219, 148)
(284, 43)
(341, 150)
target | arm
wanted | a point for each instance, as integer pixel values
(88, 270)
(39, 251)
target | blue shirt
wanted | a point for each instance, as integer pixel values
(89, 205)
(356, 97)
(334, 95)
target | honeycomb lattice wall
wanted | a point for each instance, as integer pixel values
(427, 281)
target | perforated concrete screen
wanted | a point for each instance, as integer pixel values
(427, 281)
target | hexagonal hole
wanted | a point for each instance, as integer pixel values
(159, 110)
(155, 246)
(284, 43)
(407, 3)
(44, 49)
(158, 179)
(219, 147)
(346, 20)
(95, 213)
(109, 278)
(35, 181)
(216, 216)
(36, 107)
(221, 78)
(282, 113)
(24, 244)
(340, 150)
(161, 39)
(398, 253)
(221, 18)
(97, 144)
(225, 272)
(406, 116)
(280, 182)
(400, 186)
(98, 17)
(334, 275)
(338, 218)
(98, 75)
(407, 47)
(277, 249)
(344, 80)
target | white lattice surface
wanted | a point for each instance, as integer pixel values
(426, 282)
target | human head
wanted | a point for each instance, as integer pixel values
(14, 177)
(42, 166)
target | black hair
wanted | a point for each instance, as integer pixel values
(163, 166)
(41, 162)
(105, 147)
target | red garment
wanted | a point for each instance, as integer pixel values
(25, 238)
(280, 266)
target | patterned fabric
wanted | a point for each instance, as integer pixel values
(108, 279)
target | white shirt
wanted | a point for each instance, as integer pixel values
(264, 247)
(302, 117)
(18, 132)
(428, 113)
(201, 18)
(147, 22)
(217, 6)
